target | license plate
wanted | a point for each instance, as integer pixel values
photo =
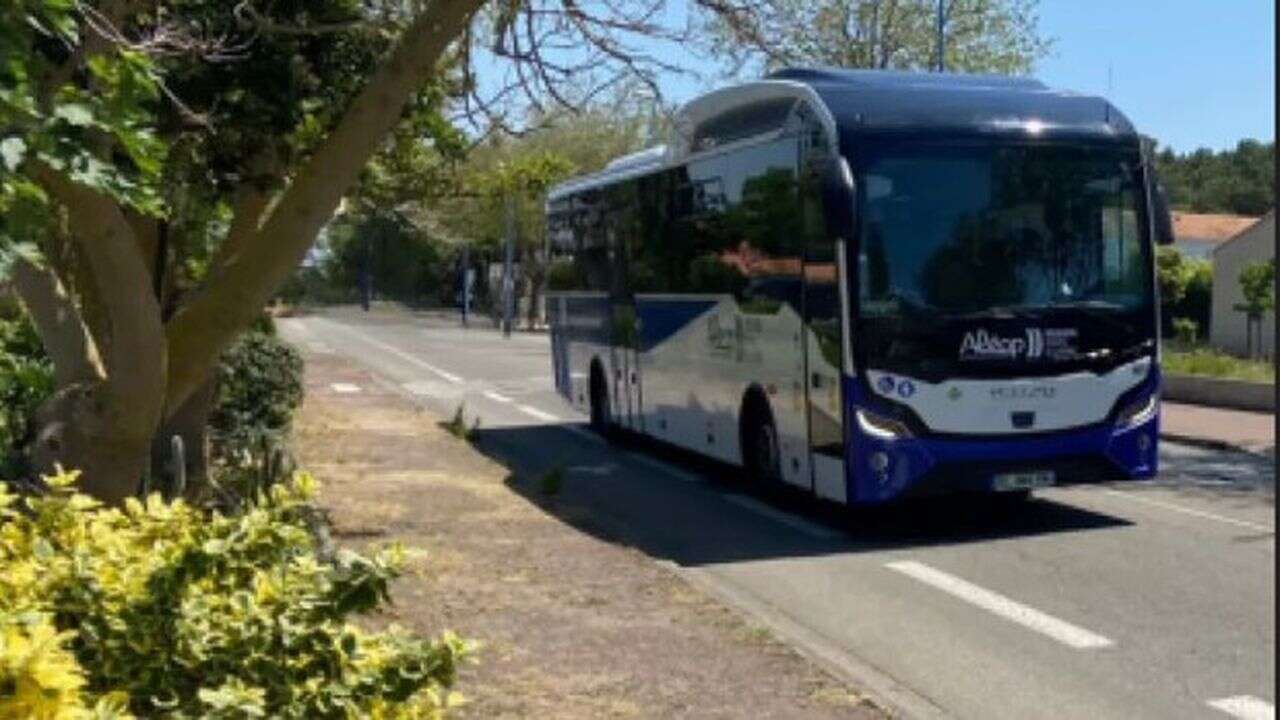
(1011, 482)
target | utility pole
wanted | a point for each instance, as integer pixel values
(508, 260)
(466, 281)
(942, 37)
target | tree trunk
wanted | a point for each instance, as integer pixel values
(80, 429)
(191, 423)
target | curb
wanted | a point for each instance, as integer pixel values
(875, 686)
(1211, 444)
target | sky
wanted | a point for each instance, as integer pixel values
(1191, 73)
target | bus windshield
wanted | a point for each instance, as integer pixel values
(968, 233)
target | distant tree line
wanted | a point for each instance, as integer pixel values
(1239, 181)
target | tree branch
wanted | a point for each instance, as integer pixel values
(135, 354)
(199, 331)
(58, 323)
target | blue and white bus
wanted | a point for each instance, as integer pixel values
(872, 285)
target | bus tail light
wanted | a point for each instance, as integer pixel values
(883, 428)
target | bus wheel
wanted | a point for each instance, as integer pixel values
(760, 453)
(601, 418)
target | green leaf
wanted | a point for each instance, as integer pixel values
(12, 152)
(77, 114)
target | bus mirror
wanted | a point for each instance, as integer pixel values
(838, 198)
(1161, 218)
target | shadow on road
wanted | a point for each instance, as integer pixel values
(605, 492)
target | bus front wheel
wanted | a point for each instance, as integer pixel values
(760, 455)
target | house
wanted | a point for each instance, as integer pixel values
(1197, 234)
(1256, 243)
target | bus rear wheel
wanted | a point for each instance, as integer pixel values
(760, 454)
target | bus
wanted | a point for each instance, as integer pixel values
(872, 285)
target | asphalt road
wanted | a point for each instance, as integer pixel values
(1129, 600)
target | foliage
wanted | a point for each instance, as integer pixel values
(405, 262)
(158, 610)
(259, 385)
(26, 381)
(1185, 330)
(59, 124)
(1186, 288)
(1239, 181)
(993, 36)
(1258, 285)
(552, 481)
(1206, 361)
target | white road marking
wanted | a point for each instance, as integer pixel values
(318, 347)
(1191, 511)
(402, 354)
(993, 602)
(345, 388)
(535, 412)
(496, 397)
(1245, 707)
(790, 521)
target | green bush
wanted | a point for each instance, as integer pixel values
(1185, 330)
(26, 381)
(162, 611)
(259, 385)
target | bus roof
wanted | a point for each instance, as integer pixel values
(857, 103)
(863, 101)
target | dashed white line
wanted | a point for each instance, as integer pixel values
(995, 603)
(535, 412)
(496, 397)
(345, 388)
(790, 521)
(402, 354)
(1245, 707)
(1192, 512)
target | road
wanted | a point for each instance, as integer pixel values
(1130, 600)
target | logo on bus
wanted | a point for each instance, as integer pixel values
(984, 345)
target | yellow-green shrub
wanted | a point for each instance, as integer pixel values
(164, 610)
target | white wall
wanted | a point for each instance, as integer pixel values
(1227, 327)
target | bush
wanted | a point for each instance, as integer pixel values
(259, 385)
(1185, 329)
(158, 610)
(26, 381)
(1205, 361)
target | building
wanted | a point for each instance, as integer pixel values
(1197, 234)
(1255, 243)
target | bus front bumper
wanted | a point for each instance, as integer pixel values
(881, 470)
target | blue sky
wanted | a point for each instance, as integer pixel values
(1192, 73)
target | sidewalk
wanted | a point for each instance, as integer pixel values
(573, 625)
(1217, 427)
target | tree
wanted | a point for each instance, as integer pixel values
(1239, 181)
(246, 124)
(1258, 285)
(995, 36)
(524, 167)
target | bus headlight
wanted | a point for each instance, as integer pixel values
(878, 426)
(1139, 412)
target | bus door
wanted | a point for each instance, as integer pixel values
(626, 366)
(824, 313)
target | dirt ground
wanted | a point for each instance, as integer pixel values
(570, 625)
